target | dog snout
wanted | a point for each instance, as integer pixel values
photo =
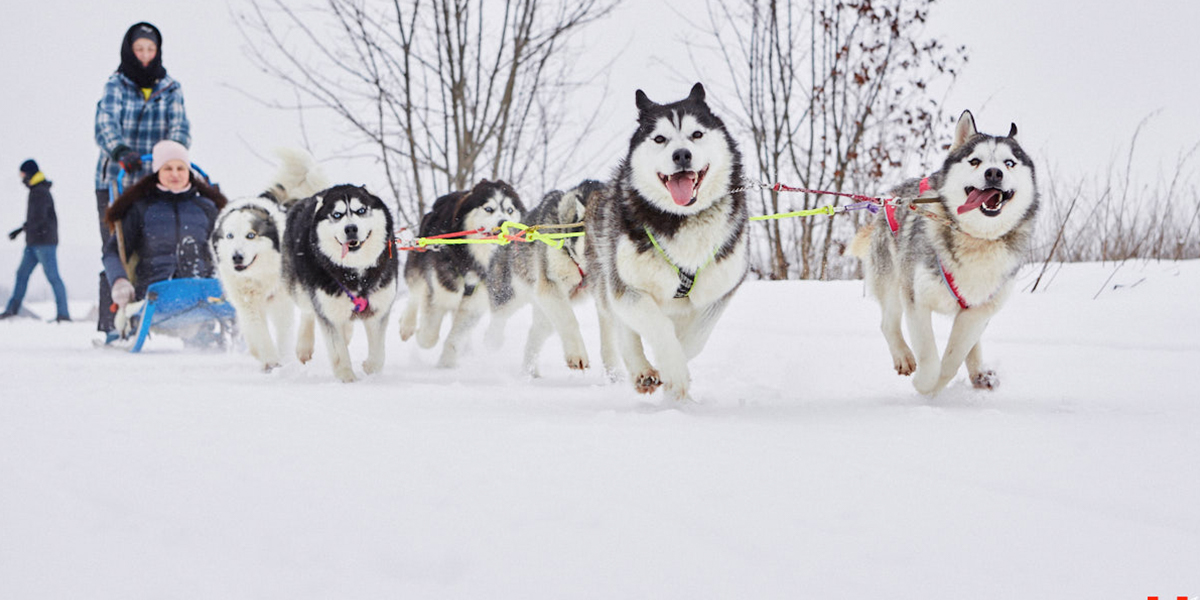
(237, 258)
(993, 176)
(682, 158)
(352, 231)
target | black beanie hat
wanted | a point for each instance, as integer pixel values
(30, 168)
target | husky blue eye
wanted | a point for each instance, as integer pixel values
(509, 211)
(335, 216)
(1010, 163)
(361, 211)
(659, 139)
(250, 235)
(489, 210)
(697, 135)
(229, 236)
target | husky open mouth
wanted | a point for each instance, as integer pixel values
(989, 201)
(349, 246)
(683, 185)
(245, 266)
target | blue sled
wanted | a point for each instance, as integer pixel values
(177, 304)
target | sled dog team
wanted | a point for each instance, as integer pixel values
(666, 247)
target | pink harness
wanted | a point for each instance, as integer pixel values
(889, 211)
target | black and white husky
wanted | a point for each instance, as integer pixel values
(961, 264)
(448, 279)
(340, 268)
(549, 278)
(247, 242)
(667, 243)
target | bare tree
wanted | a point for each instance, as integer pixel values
(442, 92)
(835, 94)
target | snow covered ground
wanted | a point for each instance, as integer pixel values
(807, 468)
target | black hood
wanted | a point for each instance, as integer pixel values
(132, 68)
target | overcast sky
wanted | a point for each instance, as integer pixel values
(1076, 78)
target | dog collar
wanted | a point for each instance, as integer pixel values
(360, 302)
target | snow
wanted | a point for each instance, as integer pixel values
(806, 468)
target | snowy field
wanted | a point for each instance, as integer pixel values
(806, 468)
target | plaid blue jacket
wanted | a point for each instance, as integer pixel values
(124, 116)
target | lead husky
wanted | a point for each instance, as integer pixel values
(340, 268)
(914, 265)
(549, 278)
(445, 280)
(667, 243)
(247, 242)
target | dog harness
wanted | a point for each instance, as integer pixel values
(889, 211)
(686, 280)
(360, 302)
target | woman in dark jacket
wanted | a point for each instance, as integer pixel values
(165, 220)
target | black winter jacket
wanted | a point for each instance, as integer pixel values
(169, 233)
(41, 222)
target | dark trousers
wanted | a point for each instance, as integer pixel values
(105, 321)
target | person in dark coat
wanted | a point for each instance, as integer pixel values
(41, 242)
(165, 220)
(141, 106)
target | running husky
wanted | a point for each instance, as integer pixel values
(915, 265)
(247, 244)
(550, 278)
(444, 280)
(340, 268)
(667, 244)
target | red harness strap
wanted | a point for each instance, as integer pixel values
(889, 210)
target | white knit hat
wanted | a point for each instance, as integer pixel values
(167, 151)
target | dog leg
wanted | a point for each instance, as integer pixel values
(258, 336)
(892, 307)
(558, 309)
(920, 328)
(305, 337)
(610, 354)
(539, 332)
(339, 352)
(376, 350)
(470, 310)
(408, 319)
(695, 334)
(964, 337)
(642, 314)
(644, 376)
(282, 317)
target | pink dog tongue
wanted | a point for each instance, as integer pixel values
(681, 185)
(976, 199)
(345, 249)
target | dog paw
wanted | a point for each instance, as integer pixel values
(905, 364)
(985, 380)
(612, 375)
(647, 381)
(304, 356)
(677, 392)
(406, 331)
(345, 375)
(372, 366)
(271, 366)
(448, 359)
(925, 381)
(427, 339)
(577, 363)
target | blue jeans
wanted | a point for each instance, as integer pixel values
(47, 256)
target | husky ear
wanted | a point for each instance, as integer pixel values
(1012, 131)
(697, 94)
(643, 102)
(964, 130)
(317, 206)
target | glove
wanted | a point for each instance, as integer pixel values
(122, 292)
(131, 161)
(12, 235)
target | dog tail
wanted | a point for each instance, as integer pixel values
(298, 176)
(861, 244)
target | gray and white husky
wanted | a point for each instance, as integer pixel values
(987, 194)
(340, 269)
(667, 244)
(447, 279)
(549, 278)
(247, 243)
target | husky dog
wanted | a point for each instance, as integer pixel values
(550, 278)
(340, 268)
(667, 243)
(247, 243)
(986, 193)
(444, 280)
